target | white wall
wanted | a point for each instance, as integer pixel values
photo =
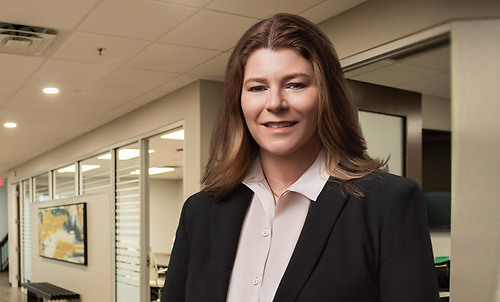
(165, 205)
(436, 113)
(475, 244)
(93, 281)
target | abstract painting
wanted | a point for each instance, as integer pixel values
(62, 233)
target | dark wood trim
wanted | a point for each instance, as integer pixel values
(397, 102)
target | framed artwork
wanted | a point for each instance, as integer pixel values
(62, 233)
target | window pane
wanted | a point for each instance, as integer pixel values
(41, 184)
(384, 135)
(95, 174)
(64, 182)
(26, 231)
(128, 211)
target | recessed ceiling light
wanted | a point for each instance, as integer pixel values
(10, 125)
(50, 90)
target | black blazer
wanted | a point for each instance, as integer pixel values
(371, 249)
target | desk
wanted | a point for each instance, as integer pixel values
(162, 259)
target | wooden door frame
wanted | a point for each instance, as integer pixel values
(397, 102)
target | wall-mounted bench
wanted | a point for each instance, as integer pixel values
(38, 291)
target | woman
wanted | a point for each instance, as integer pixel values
(294, 209)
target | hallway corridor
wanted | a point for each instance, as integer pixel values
(7, 293)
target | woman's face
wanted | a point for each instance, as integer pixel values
(280, 100)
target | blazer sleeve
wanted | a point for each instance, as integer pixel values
(407, 270)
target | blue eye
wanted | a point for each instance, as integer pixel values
(296, 86)
(256, 89)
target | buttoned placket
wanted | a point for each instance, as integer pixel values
(265, 205)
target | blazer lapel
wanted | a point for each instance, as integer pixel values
(319, 223)
(226, 219)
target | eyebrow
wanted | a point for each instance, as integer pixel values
(286, 78)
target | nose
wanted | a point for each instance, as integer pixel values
(276, 100)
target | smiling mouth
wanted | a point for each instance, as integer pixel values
(280, 124)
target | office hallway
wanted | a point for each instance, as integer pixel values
(7, 293)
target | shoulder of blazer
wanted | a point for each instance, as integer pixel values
(385, 182)
(202, 200)
(201, 204)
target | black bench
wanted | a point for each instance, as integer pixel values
(37, 291)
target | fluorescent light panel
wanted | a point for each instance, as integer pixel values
(154, 171)
(177, 135)
(71, 169)
(125, 154)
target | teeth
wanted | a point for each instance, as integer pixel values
(280, 125)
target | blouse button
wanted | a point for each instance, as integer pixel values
(265, 233)
(255, 281)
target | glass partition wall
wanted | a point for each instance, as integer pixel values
(118, 172)
(25, 202)
(64, 183)
(128, 223)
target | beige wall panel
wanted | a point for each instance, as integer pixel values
(475, 236)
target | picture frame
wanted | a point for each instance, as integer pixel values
(62, 233)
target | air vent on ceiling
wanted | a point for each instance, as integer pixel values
(25, 39)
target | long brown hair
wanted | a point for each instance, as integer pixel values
(233, 149)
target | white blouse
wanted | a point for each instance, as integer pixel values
(270, 232)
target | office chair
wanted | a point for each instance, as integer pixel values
(156, 276)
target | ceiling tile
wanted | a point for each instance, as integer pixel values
(41, 129)
(49, 103)
(176, 83)
(83, 47)
(143, 99)
(396, 75)
(10, 85)
(24, 116)
(32, 90)
(204, 30)
(215, 68)
(435, 85)
(261, 8)
(194, 3)
(436, 59)
(328, 9)
(104, 94)
(170, 58)
(18, 66)
(144, 20)
(136, 78)
(55, 14)
(3, 99)
(370, 67)
(71, 72)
